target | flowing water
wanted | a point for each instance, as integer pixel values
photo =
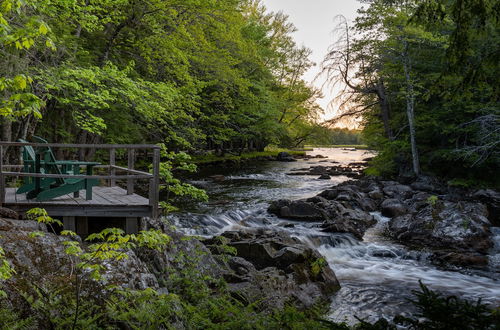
(376, 275)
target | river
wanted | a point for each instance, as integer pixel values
(376, 275)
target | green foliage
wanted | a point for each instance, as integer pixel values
(40, 215)
(13, 321)
(211, 75)
(443, 50)
(6, 271)
(192, 75)
(432, 200)
(196, 299)
(178, 162)
(439, 312)
(334, 136)
(318, 265)
(22, 33)
(207, 304)
(269, 151)
(144, 309)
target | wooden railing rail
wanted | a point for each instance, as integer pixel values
(85, 146)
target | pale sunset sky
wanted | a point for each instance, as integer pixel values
(314, 20)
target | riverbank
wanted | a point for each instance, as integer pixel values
(337, 244)
(211, 158)
(378, 272)
(349, 146)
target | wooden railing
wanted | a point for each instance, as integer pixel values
(131, 173)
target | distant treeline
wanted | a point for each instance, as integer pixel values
(335, 136)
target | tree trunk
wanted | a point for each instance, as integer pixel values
(6, 132)
(410, 109)
(385, 109)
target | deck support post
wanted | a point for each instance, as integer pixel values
(112, 162)
(130, 182)
(69, 223)
(82, 226)
(131, 225)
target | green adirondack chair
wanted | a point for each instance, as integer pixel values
(44, 189)
(29, 158)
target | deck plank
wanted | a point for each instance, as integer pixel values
(102, 196)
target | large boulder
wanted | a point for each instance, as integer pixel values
(351, 195)
(297, 210)
(393, 207)
(39, 259)
(491, 199)
(285, 157)
(343, 219)
(395, 190)
(318, 170)
(428, 184)
(281, 267)
(459, 226)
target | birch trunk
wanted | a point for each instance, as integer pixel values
(410, 109)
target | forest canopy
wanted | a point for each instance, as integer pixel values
(189, 74)
(424, 78)
(227, 75)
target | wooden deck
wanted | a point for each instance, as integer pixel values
(106, 202)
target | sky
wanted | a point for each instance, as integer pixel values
(314, 20)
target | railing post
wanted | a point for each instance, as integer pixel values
(130, 182)
(2, 179)
(112, 162)
(154, 184)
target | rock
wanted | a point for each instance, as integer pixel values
(318, 170)
(42, 259)
(285, 157)
(491, 199)
(460, 259)
(396, 190)
(324, 177)
(347, 220)
(281, 267)
(241, 266)
(351, 195)
(217, 178)
(253, 221)
(329, 194)
(299, 173)
(376, 194)
(428, 184)
(296, 210)
(7, 225)
(300, 169)
(462, 226)
(317, 200)
(8, 213)
(392, 208)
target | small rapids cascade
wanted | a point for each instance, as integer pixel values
(376, 275)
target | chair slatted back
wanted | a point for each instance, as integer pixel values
(28, 152)
(49, 157)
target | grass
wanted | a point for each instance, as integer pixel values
(211, 158)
